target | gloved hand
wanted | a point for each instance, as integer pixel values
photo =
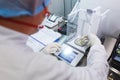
(93, 39)
(52, 48)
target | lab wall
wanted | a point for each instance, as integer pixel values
(69, 4)
(57, 7)
(61, 7)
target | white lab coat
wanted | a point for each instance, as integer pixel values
(19, 62)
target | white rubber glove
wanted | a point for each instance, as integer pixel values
(52, 48)
(93, 39)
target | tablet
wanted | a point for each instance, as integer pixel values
(69, 55)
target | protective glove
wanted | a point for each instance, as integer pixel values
(52, 48)
(88, 40)
(93, 39)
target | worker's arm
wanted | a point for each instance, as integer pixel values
(97, 66)
(97, 61)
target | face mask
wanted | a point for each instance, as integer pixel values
(12, 8)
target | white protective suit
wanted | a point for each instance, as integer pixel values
(19, 62)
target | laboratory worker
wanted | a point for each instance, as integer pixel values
(19, 62)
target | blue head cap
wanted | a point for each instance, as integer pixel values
(12, 8)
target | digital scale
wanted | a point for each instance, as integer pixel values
(69, 55)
